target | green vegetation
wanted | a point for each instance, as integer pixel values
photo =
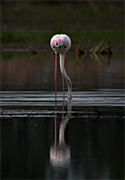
(28, 23)
(41, 39)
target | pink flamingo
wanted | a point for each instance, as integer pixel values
(61, 43)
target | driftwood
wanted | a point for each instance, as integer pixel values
(101, 48)
(33, 51)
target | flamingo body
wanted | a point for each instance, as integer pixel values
(60, 43)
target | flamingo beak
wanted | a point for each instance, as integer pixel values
(59, 47)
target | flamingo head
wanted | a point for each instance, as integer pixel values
(60, 43)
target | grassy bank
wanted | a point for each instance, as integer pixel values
(41, 39)
(31, 23)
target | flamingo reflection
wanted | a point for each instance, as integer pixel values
(60, 152)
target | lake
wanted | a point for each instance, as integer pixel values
(83, 138)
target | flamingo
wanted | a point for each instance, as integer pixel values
(61, 43)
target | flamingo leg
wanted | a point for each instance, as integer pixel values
(55, 94)
(63, 124)
(63, 78)
(63, 97)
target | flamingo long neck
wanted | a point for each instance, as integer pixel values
(68, 80)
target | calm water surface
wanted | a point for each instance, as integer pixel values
(96, 148)
(21, 71)
(93, 143)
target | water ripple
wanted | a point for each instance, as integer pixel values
(101, 97)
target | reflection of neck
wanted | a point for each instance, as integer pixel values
(64, 123)
(69, 83)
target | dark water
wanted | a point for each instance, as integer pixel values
(94, 135)
(96, 148)
(23, 72)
